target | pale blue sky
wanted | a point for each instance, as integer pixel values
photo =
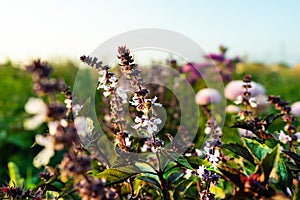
(263, 30)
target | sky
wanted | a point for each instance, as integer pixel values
(264, 31)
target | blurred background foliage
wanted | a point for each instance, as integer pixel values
(17, 144)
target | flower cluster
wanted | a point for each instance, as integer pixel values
(236, 88)
(62, 133)
(76, 166)
(211, 149)
(214, 133)
(108, 81)
(224, 65)
(146, 124)
(94, 189)
(20, 193)
(40, 75)
(246, 99)
(287, 117)
(130, 68)
(207, 177)
(257, 101)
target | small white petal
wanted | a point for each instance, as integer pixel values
(200, 171)
(188, 173)
(239, 100)
(207, 130)
(53, 127)
(35, 106)
(68, 103)
(106, 94)
(34, 122)
(44, 140)
(157, 121)
(63, 123)
(144, 148)
(155, 128)
(137, 126)
(150, 130)
(43, 157)
(199, 152)
(127, 142)
(253, 102)
(284, 138)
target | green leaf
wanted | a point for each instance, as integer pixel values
(285, 178)
(270, 161)
(240, 150)
(269, 119)
(170, 167)
(174, 176)
(258, 150)
(66, 190)
(179, 159)
(52, 195)
(292, 166)
(145, 167)
(234, 175)
(150, 180)
(181, 189)
(182, 161)
(113, 176)
(193, 160)
(131, 169)
(293, 155)
(14, 174)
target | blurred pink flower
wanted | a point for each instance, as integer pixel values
(216, 57)
(232, 109)
(207, 96)
(194, 71)
(297, 135)
(296, 108)
(235, 88)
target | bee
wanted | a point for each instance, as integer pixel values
(148, 104)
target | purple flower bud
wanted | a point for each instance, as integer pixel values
(207, 96)
(194, 71)
(216, 57)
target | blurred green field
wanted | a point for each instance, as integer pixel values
(16, 87)
(15, 142)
